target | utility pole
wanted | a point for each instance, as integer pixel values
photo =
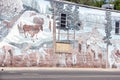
(108, 29)
(53, 10)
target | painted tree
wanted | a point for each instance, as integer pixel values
(76, 19)
(58, 12)
(69, 17)
(72, 21)
(68, 10)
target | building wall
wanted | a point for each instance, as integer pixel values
(32, 41)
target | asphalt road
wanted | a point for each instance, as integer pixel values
(59, 74)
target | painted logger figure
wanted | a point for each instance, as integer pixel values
(50, 24)
(8, 52)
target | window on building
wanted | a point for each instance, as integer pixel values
(63, 21)
(117, 27)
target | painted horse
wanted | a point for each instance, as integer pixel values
(32, 29)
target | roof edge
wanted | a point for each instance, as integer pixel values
(86, 6)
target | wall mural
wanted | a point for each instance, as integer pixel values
(30, 41)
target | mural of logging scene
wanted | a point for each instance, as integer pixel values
(30, 41)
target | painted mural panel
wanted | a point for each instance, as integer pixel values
(28, 40)
(86, 40)
(47, 33)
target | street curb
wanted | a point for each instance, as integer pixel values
(53, 69)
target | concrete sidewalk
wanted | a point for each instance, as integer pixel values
(54, 69)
